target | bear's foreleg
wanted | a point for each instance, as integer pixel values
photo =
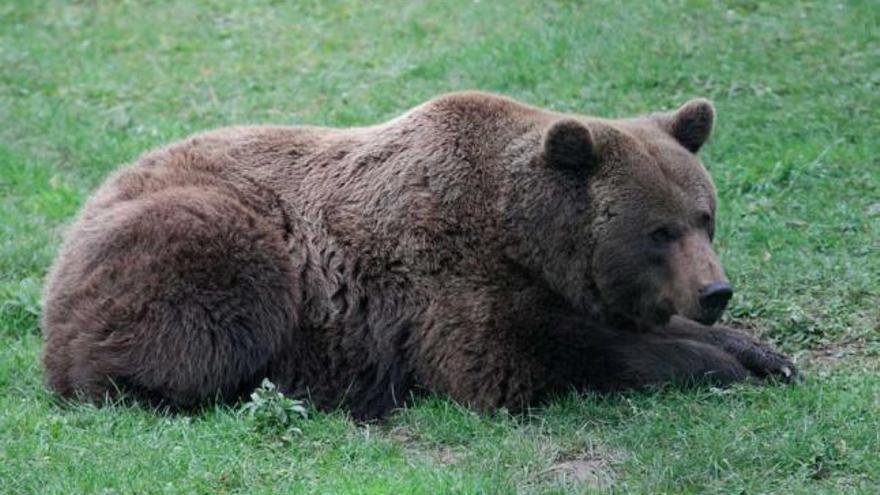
(592, 356)
(758, 358)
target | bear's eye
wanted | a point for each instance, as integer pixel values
(708, 224)
(663, 235)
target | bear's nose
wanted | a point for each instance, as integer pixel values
(715, 296)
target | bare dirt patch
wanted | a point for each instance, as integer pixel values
(856, 352)
(593, 469)
(441, 455)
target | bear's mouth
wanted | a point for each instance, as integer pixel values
(709, 319)
(652, 313)
(642, 314)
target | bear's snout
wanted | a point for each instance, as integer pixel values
(713, 300)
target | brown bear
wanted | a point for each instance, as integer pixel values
(475, 247)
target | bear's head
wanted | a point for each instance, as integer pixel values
(619, 216)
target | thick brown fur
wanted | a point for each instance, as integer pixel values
(474, 246)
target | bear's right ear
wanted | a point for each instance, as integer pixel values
(569, 145)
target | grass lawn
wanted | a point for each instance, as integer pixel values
(86, 86)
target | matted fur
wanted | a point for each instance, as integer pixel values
(474, 246)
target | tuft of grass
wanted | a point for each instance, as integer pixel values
(87, 86)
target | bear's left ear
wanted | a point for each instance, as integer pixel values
(692, 124)
(568, 144)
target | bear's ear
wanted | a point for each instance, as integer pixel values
(568, 144)
(692, 124)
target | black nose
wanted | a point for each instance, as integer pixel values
(715, 296)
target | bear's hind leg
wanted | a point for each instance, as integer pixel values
(180, 298)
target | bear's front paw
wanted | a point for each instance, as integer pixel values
(766, 363)
(760, 359)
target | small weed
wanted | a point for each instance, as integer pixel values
(271, 412)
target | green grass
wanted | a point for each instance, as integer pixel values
(87, 86)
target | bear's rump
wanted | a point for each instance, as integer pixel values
(181, 297)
